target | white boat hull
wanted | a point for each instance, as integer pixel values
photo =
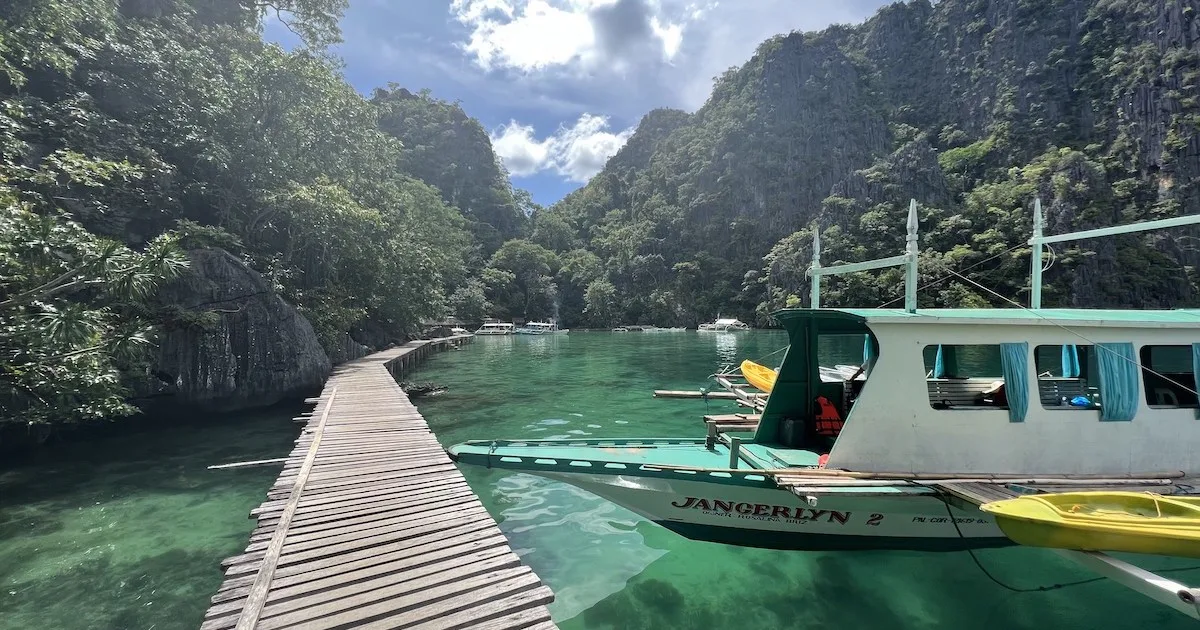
(778, 519)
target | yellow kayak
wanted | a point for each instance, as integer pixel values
(1134, 522)
(760, 376)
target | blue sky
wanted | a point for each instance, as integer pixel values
(560, 84)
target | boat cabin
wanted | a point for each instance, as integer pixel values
(993, 391)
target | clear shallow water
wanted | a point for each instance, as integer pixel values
(129, 531)
(610, 568)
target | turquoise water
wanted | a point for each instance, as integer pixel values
(610, 568)
(129, 531)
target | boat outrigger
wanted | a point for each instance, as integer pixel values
(950, 409)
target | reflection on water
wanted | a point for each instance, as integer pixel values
(727, 347)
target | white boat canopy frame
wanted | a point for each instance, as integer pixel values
(1039, 240)
(908, 259)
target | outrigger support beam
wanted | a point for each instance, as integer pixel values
(908, 259)
(1152, 585)
(1039, 239)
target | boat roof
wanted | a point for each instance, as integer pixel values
(727, 321)
(1173, 318)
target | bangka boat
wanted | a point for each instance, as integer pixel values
(541, 328)
(900, 453)
(496, 328)
(1133, 522)
(723, 325)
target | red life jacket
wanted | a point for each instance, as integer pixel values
(828, 422)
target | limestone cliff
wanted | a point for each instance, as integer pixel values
(973, 107)
(233, 342)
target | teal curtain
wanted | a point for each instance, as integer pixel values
(1196, 368)
(1118, 381)
(1014, 363)
(945, 363)
(1070, 361)
(868, 349)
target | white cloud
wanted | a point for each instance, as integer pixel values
(626, 57)
(532, 35)
(577, 152)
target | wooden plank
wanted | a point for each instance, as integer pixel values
(369, 522)
(478, 543)
(530, 607)
(673, 393)
(483, 592)
(398, 598)
(259, 462)
(262, 583)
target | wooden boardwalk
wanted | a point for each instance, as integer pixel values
(370, 525)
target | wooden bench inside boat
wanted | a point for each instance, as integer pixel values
(1052, 390)
(959, 392)
(741, 422)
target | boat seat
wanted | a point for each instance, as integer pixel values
(740, 422)
(1052, 390)
(959, 392)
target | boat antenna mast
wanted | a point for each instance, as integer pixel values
(1039, 239)
(908, 259)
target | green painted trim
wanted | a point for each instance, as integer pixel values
(482, 453)
(1188, 318)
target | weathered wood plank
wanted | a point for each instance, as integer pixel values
(262, 583)
(369, 522)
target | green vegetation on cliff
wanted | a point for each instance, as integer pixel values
(973, 107)
(129, 128)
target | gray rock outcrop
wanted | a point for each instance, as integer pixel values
(238, 344)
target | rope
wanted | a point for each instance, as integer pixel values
(945, 278)
(1081, 336)
(1034, 589)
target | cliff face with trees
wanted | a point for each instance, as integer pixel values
(973, 107)
(191, 212)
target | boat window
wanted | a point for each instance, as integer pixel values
(965, 377)
(1067, 377)
(1169, 377)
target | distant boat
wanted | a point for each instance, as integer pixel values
(724, 325)
(542, 328)
(458, 331)
(620, 329)
(496, 328)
